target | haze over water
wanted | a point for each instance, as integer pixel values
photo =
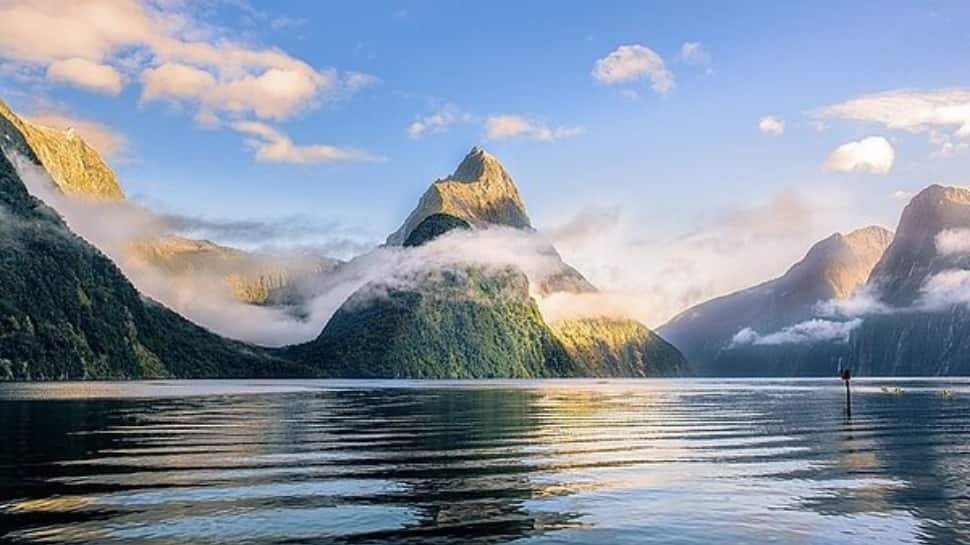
(673, 461)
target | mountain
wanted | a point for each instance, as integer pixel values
(78, 170)
(478, 321)
(924, 283)
(75, 167)
(480, 193)
(67, 312)
(832, 269)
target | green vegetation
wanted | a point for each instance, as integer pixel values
(468, 323)
(617, 347)
(67, 312)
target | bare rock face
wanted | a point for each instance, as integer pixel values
(480, 192)
(75, 167)
(832, 269)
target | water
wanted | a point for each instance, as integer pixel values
(586, 462)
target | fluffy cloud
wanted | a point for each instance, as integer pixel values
(176, 58)
(694, 53)
(873, 154)
(901, 195)
(632, 62)
(807, 332)
(953, 241)
(771, 124)
(174, 80)
(910, 109)
(274, 146)
(84, 73)
(863, 302)
(438, 121)
(500, 127)
(944, 289)
(107, 141)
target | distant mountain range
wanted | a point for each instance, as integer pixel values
(877, 302)
(69, 312)
(881, 304)
(833, 268)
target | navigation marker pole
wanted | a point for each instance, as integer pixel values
(846, 375)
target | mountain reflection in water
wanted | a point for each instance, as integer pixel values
(674, 461)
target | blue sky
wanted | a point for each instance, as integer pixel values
(670, 163)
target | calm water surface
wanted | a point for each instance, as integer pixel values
(667, 462)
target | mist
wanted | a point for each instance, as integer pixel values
(202, 295)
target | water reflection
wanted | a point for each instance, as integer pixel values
(560, 461)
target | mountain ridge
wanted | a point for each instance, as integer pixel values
(832, 268)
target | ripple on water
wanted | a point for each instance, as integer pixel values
(498, 461)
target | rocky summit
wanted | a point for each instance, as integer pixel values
(480, 192)
(75, 166)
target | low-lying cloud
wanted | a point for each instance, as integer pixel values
(807, 332)
(199, 291)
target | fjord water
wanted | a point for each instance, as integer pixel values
(673, 461)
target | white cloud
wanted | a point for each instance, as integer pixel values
(632, 62)
(953, 241)
(807, 332)
(694, 53)
(910, 109)
(944, 289)
(273, 146)
(107, 141)
(873, 154)
(863, 302)
(438, 121)
(155, 41)
(771, 124)
(901, 195)
(500, 127)
(174, 80)
(359, 80)
(84, 73)
(946, 145)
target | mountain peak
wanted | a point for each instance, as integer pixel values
(936, 194)
(480, 192)
(839, 264)
(913, 257)
(476, 165)
(75, 167)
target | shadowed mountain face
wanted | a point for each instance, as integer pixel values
(832, 269)
(923, 280)
(478, 321)
(914, 255)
